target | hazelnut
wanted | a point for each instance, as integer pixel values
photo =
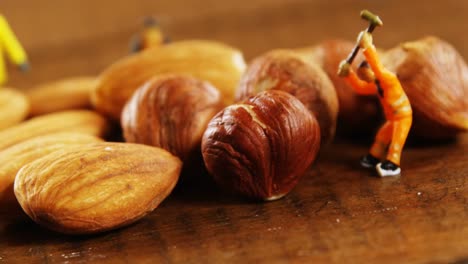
(435, 79)
(260, 148)
(171, 112)
(287, 71)
(358, 114)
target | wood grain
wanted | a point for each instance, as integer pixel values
(339, 213)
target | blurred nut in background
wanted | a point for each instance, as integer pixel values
(358, 114)
(79, 121)
(66, 94)
(287, 71)
(171, 112)
(261, 147)
(211, 61)
(98, 187)
(435, 78)
(14, 107)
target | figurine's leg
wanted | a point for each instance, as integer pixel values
(378, 149)
(401, 129)
(382, 140)
(391, 166)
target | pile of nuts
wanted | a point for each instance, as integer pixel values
(257, 128)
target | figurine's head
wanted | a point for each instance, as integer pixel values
(365, 72)
(149, 22)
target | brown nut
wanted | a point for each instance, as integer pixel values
(435, 78)
(14, 107)
(287, 71)
(215, 62)
(66, 94)
(98, 187)
(79, 121)
(358, 114)
(261, 147)
(171, 112)
(16, 156)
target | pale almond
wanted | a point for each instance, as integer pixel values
(14, 107)
(66, 94)
(96, 187)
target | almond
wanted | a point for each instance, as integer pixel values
(14, 107)
(80, 121)
(16, 156)
(66, 94)
(96, 187)
(215, 62)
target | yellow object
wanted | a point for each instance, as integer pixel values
(10, 46)
(151, 37)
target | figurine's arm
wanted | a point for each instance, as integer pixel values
(11, 45)
(135, 44)
(360, 86)
(370, 52)
(373, 59)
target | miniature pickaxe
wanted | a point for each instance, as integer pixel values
(374, 21)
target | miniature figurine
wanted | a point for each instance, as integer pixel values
(150, 37)
(10, 46)
(373, 78)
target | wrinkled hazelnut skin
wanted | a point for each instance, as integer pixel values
(261, 147)
(171, 112)
(435, 79)
(287, 71)
(358, 114)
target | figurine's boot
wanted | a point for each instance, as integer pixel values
(369, 161)
(388, 168)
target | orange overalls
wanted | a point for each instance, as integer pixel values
(150, 37)
(396, 107)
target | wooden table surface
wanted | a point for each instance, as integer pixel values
(339, 213)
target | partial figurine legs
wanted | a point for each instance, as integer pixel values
(391, 166)
(379, 147)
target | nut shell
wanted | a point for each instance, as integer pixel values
(287, 71)
(14, 107)
(79, 121)
(96, 187)
(18, 155)
(261, 147)
(435, 78)
(215, 62)
(171, 112)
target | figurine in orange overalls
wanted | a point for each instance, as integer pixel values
(151, 36)
(375, 79)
